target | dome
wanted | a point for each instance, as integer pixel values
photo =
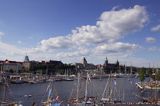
(26, 59)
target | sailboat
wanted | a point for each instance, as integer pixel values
(65, 78)
(109, 95)
(76, 100)
(82, 101)
(88, 99)
(51, 101)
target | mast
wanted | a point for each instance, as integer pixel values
(101, 74)
(78, 83)
(105, 89)
(131, 70)
(86, 89)
(125, 70)
(5, 90)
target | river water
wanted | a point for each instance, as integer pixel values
(124, 89)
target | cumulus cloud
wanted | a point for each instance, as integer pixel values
(116, 47)
(56, 42)
(111, 26)
(156, 28)
(150, 39)
(115, 24)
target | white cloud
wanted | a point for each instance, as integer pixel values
(116, 47)
(150, 39)
(10, 50)
(115, 24)
(156, 28)
(56, 42)
(111, 27)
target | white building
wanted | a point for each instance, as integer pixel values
(10, 66)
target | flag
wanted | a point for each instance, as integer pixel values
(57, 98)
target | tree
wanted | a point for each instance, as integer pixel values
(157, 75)
(142, 74)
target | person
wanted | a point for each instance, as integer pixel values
(33, 104)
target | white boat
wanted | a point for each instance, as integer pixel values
(16, 79)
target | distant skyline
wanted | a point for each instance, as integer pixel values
(68, 30)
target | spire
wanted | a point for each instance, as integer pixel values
(117, 63)
(106, 62)
(106, 58)
(84, 61)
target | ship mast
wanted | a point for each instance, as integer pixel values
(86, 89)
(77, 97)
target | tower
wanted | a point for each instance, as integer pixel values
(26, 63)
(117, 63)
(106, 62)
(84, 61)
(26, 59)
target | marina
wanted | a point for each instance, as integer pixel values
(123, 95)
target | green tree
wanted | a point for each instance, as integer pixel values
(142, 74)
(157, 75)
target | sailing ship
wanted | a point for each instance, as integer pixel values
(51, 101)
(110, 93)
(82, 101)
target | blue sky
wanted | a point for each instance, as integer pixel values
(127, 30)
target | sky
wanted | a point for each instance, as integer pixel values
(68, 30)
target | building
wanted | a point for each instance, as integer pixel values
(26, 64)
(11, 66)
(111, 67)
(53, 66)
(84, 65)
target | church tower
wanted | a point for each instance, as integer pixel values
(84, 62)
(106, 62)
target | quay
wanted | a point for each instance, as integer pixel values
(152, 85)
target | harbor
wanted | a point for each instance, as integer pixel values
(81, 84)
(124, 90)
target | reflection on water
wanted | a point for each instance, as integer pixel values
(125, 89)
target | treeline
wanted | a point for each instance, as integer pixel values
(149, 72)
